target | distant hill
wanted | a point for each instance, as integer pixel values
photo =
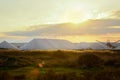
(47, 44)
(54, 44)
(18, 45)
(6, 45)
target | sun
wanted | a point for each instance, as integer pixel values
(77, 14)
(80, 13)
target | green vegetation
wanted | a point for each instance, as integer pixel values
(60, 65)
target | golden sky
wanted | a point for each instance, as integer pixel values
(87, 20)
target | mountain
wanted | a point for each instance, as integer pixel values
(18, 45)
(82, 45)
(6, 45)
(95, 46)
(47, 44)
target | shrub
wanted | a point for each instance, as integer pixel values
(52, 75)
(49, 75)
(112, 62)
(89, 61)
(107, 75)
(6, 76)
(20, 77)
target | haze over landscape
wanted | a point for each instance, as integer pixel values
(73, 20)
(59, 39)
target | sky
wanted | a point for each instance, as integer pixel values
(73, 20)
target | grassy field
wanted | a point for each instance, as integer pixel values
(60, 65)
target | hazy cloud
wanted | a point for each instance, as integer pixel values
(115, 14)
(97, 27)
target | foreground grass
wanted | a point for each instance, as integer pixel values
(60, 65)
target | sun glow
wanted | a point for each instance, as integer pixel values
(77, 14)
(80, 13)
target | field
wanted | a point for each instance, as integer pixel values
(60, 65)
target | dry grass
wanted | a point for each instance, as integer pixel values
(99, 65)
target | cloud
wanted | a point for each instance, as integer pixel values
(115, 14)
(97, 27)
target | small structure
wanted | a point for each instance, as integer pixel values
(97, 46)
(110, 45)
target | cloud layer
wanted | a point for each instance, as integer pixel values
(115, 14)
(91, 27)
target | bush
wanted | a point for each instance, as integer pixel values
(49, 75)
(52, 75)
(20, 77)
(107, 75)
(89, 61)
(6, 76)
(112, 62)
